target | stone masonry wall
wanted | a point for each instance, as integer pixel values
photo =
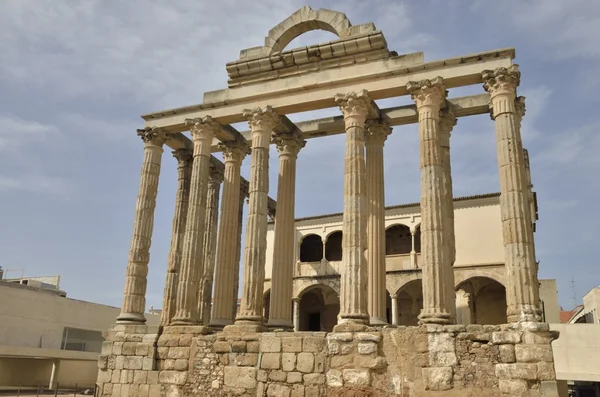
(451, 361)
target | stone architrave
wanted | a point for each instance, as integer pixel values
(215, 179)
(280, 316)
(134, 299)
(375, 137)
(227, 266)
(184, 175)
(447, 122)
(353, 279)
(429, 95)
(521, 289)
(192, 258)
(262, 122)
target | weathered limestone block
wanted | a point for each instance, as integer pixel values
(103, 361)
(507, 353)
(533, 353)
(368, 337)
(314, 379)
(278, 390)
(340, 336)
(294, 377)
(271, 361)
(370, 362)
(133, 362)
(500, 338)
(270, 344)
(278, 376)
(356, 377)
(313, 344)
(305, 362)
(438, 378)
(104, 376)
(335, 378)
(516, 371)
(513, 387)
(288, 361)
(243, 359)
(291, 344)
(546, 372)
(549, 389)
(243, 377)
(297, 391)
(320, 360)
(221, 347)
(253, 347)
(367, 348)
(238, 347)
(172, 377)
(261, 375)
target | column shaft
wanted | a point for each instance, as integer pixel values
(261, 123)
(521, 289)
(376, 294)
(280, 315)
(227, 265)
(134, 299)
(394, 310)
(238, 249)
(184, 173)
(296, 303)
(413, 253)
(428, 96)
(353, 278)
(192, 259)
(447, 122)
(210, 244)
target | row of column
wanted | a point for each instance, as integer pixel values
(194, 247)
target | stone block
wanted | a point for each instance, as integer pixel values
(116, 390)
(549, 389)
(116, 376)
(340, 336)
(140, 376)
(305, 362)
(123, 378)
(107, 348)
(474, 328)
(506, 337)
(244, 377)
(270, 344)
(313, 344)
(320, 363)
(277, 390)
(297, 391)
(153, 377)
(154, 391)
(117, 348)
(271, 361)
(441, 342)
(162, 352)
(356, 377)
(438, 378)
(513, 387)
(507, 353)
(244, 359)
(141, 349)
(133, 362)
(147, 363)
(238, 346)
(442, 358)
(368, 336)
(179, 352)
(107, 389)
(335, 378)
(533, 353)
(278, 376)
(103, 361)
(291, 344)
(333, 347)
(261, 375)
(181, 364)
(185, 340)
(129, 348)
(537, 338)
(370, 362)
(347, 348)
(175, 377)
(367, 348)
(253, 347)
(313, 391)
(220, 347)
(545, 371)
(104, 376)
(294, 377)
(288, 361)
(516, 371)
(314, 379)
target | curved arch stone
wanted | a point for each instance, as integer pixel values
(301, 286)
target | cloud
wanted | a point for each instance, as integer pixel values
(35, 184)
(16, 132)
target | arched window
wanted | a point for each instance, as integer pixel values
(398, 240)
(311, 249)
(333, 247)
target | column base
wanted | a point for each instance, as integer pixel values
(242, 328)
(131, 318)
(378, 321)
(434, 317)
(184, 322)
(187, 329)
(350, 326)
(523, 314)
(285, 325)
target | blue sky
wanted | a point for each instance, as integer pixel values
(76, 76)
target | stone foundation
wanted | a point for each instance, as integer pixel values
(456, 360)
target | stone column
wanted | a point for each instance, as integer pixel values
(184, 173)
(192, 259)
(429, 96)
(288, 145)
(296, 303)
(262, 123)
(447, 122)
(413, 253)
(353, 281)
(394, 309)
(521, 289)
(227, 266)
(375, 137)
(134, 299)
(238, 248)
(215, 179)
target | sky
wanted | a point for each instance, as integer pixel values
(75, 76)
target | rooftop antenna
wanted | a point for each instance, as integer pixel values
(574, 296)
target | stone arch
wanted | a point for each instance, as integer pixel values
(398, 239)
(409, 299)
(319, 307)
(495, 273)
(484, 301)
(303, 285)
(333, 246)
(302, 21)
(311, 248)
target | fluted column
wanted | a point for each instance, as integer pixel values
(238, 248)
(288, 146)
(184, 173)
(134, 299)
(215, 179)
(375, 137)
(394, 309)
(227, 265)
(429, 96)
(353, 281)
(262, 123)
(192, 258)
(447, 122)
(521, 289)
(296, 308)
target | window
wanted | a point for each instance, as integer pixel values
(82, 340)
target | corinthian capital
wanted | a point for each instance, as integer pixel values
(377, 131)
(262, 119)
(288, 144)
(215, 175)
(184, 157)
(520, 106)
(427, 92)
(152, 135)
(355, 106)
(447, 119)
(501, 80)
(234, 151)
(203, 127)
